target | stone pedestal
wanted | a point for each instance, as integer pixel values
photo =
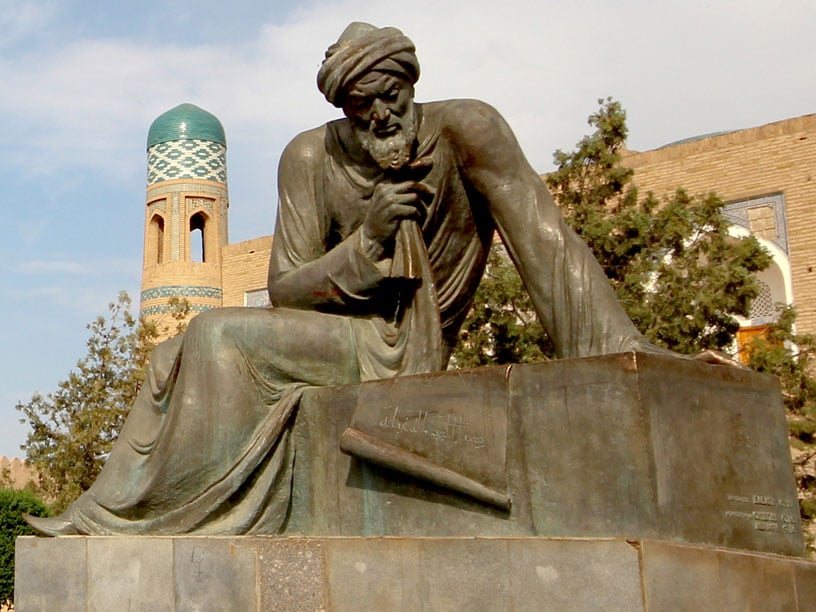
(628, 446)
(622, 482)
(401, 574)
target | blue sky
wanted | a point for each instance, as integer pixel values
(82, 81)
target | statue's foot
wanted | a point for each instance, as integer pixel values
(50, 526)
(718, 358)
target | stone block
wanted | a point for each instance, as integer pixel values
(320, 469)
(292, 573)
(648, 446)
(723, 474)
(588, 458)
(465, 574)
(130, 573)
(49, 572)
(805, 573)
(347, 574)
(214, 574)
(677, 577)
(374, 573)
(552, 574)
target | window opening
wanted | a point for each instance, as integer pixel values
(198, 247)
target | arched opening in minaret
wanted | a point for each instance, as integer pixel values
(198, 246)
(155, 239)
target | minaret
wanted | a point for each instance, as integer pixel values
(185, 214)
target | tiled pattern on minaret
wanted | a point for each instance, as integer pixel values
(194, 159)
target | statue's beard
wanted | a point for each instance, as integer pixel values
(392, 151)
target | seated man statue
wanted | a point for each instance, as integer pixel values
(384, 225)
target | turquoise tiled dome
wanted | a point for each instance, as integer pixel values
(186, 122)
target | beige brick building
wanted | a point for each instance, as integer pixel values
(766, 174)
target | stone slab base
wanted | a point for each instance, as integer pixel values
(400, 573)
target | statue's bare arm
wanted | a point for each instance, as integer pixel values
(571, 294)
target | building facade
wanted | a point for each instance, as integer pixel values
(767, 176)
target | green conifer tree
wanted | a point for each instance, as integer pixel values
(790, 357)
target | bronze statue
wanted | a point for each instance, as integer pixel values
(384, 225)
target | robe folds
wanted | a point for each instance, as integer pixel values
(207, 448)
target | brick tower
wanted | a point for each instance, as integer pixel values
(185, 214)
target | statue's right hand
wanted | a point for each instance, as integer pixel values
(390, 204)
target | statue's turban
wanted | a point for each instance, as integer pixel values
(361, 48)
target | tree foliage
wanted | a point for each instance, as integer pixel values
(74, 428)
(12, 505)
(790, 357)
(179, 311)
(675, 269)
(502, 327)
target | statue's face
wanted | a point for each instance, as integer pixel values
(380, 107)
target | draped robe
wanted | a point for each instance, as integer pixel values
(207, 448)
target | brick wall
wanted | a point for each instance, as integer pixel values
(19, 471)
(244, 267)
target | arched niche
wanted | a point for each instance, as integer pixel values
(154, 251)
(199, 237)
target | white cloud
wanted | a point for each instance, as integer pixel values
(678, 68)
(80, 109)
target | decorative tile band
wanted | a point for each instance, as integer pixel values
(175, 216)
(150, 311)
(738, 214)
(193, 159)
(168, 291)
(203, 203)
(157, 206)
(258, 298)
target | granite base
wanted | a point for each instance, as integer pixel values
(399, 573)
